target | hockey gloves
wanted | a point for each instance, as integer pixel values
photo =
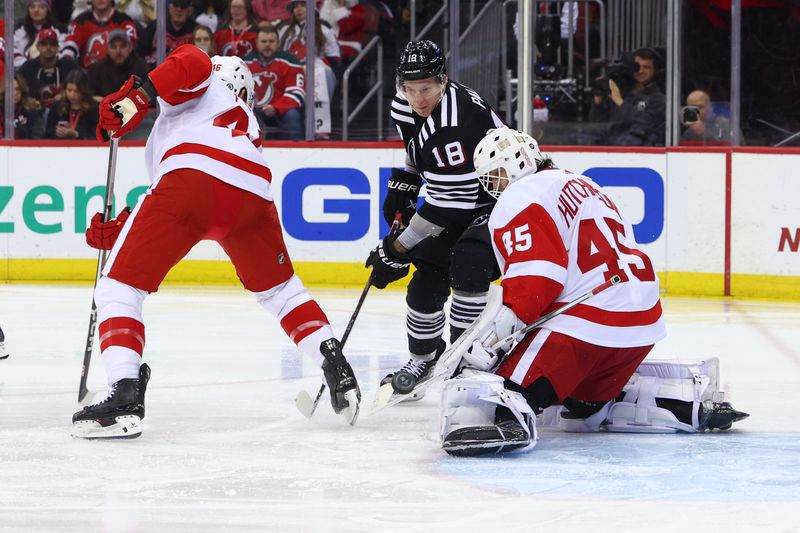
(102, 235)
(388, 265)
(122, 111)
(338, 375)
(402, 196)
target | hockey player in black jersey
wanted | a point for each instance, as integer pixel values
(440, 122)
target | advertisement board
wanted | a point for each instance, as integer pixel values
(330, 200)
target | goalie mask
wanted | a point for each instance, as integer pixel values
(236, 75)
(419, 61)
(503, 156)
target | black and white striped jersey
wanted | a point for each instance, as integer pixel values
(440, 147)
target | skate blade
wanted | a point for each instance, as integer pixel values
(304, 404)
(126, 427)
(387, 397)
(350, 413)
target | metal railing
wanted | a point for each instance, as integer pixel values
(377, 88)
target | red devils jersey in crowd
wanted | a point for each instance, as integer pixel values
(556, 236)
(279, 82)
(87, 40)
(232, 42)
(2, 48)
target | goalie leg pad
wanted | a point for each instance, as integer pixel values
(666, 397)
(470, 423)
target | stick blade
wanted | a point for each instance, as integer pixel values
(304, 404)
(350, 413)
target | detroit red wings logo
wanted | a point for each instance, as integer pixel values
(264, 87)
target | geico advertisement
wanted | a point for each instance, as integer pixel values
(329, 199)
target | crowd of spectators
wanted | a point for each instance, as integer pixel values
(66, 60)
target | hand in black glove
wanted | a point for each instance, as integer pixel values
(388, 265)
(402, 196)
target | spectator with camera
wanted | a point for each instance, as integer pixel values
(279, 85)
(46, 73)
(75, 116)
(702, 124)
(630, 99)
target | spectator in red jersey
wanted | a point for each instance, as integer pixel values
(111, 72)
(38, 17)
(45, 74)
(279, 86)
(238, 35)
(292, 38)
(179, 30)
(2, 49)
(203, 38)
(348, 21)
(75, 117)
(272, 11)
(28, 123)
(292, 35)
(87, 40)
(209, 13)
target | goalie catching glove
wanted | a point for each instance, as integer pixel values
(388, 265)
(121, 112)
(101, 235)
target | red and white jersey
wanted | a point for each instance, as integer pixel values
(204, 126)
(556, 236)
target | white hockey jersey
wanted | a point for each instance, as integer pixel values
(556, 236)
(204, 126)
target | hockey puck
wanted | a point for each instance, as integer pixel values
(403, 382)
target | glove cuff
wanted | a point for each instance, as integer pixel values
(392, 254)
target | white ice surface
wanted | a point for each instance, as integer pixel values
(224, 449)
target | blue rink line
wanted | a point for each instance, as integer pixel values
(729, 466)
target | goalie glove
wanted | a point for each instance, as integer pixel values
(388, 265)
(401, 196)
(122, 111)
(102, 235)
(481, 355)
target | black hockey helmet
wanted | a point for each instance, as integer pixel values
(419, 61)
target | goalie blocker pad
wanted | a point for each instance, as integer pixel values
(469, 416)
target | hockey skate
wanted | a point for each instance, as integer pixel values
(345, 394)
(719, 416)
(3, 352)
(414, 372)
(119, 415)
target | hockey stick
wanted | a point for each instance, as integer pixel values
(101, 260)
(303, 401)
(450, 359)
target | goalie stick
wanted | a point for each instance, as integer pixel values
(448, 363)
(101, 260)
(303, 401)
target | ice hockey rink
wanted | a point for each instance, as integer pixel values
(224, 448)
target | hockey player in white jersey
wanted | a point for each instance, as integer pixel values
(556, 236)
(209, 182)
